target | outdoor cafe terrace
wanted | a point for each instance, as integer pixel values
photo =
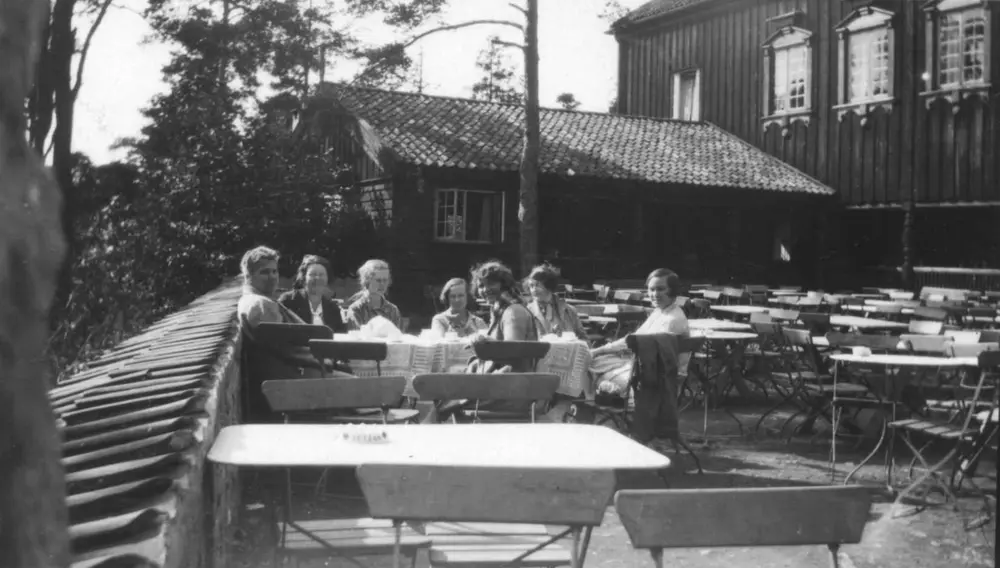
(854, 425)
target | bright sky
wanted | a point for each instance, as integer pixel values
(576, 55)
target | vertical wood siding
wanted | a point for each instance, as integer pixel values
(942, 155)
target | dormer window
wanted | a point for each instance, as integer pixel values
(788, 76)
(958, 49)
(865, 56)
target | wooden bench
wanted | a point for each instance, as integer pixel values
(703, 518)
(514, 502)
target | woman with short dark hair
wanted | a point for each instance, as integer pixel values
(311, 298)
(612, 364)
(554, 316)
(456, 318)
(510, 320)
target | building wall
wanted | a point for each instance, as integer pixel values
(944, 153)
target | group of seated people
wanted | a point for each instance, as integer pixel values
(511, 317)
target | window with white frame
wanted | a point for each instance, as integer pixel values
(469, 216)
(687, 95)
(865, 49)
(787, 68)
(958, 46)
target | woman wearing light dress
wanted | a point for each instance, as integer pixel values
(612, 363)
(457, 318)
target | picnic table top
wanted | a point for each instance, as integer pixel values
(906, 360)
(723, 335)
(557, 446)
(718, 325)
(865, 323)
(742, 310)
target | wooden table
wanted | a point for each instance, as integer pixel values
(895, 360)
(865, 323)
(557, 446)
(740, 310)
(718, 325)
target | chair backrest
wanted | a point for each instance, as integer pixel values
(622, 296)
(290, 334)
(963, 336)
(935, 344)
(761, 317)
(493, 386)
(773, 516)
(690, 344)
(989, 335)
(888, 309)
(798, 337)
(873, 342)
(734, 293)
(301, 395)
(924, 327)
(508, 350)
(926, 313)
(712, 295)
(970, 349)
(765, 328)
(815, 322)
(478, 494)
(784, 315)
(989, 360)
(349, 350)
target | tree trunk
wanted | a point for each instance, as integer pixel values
(528, 210)
(33, 519)
(62, 45)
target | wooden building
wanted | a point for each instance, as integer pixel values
(619, 195)
(892, 103)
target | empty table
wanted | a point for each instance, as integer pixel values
(572, 446)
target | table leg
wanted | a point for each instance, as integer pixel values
(585, 543)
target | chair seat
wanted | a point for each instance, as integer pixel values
(863, 402)
(838, 388)
(480, 556)
(354, 536)
(935, 429)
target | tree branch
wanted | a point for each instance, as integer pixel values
(453, 27)
(508, 44)
(86, 46)
(518, 8)
(380, 61)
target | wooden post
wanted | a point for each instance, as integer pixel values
(527, 212)
(33, 519)
(909, 211)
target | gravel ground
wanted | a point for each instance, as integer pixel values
(896, 537)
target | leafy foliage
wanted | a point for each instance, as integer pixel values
(568, 101)
(218, 170)
(500, 80)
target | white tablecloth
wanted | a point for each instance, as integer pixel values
(567, 359)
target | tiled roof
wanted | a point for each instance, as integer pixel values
(655, 9)
(461, 133)
(132, 426)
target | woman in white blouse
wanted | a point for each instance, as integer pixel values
(612, 363)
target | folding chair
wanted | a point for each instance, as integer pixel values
(702, 518)
(733, 296)
(982, 317)
(925, 327)
(810, 385)
(483, 500)
(962, 436)
(930, 313)
(324, 349)
(522, 356)
(338, 537)
(963, 337)
(526, 387)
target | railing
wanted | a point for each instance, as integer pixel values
(962, 278)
